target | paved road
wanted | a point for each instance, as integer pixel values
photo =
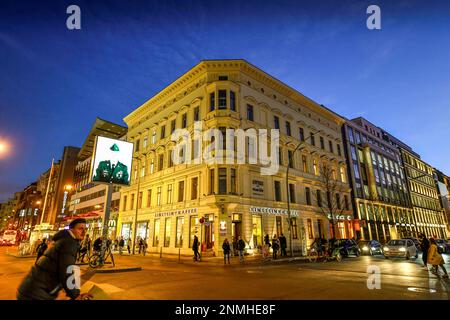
(400, 279)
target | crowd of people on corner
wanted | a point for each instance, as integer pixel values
(237, 247)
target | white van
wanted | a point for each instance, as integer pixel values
(9, 237)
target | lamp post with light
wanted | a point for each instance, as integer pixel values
(139, 159)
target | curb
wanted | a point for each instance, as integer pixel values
(130, 269)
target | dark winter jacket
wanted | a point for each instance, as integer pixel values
(98, 244)
(241, 245)
(50, 273)
(283, 242)
(425, 245)
(226, 248)
(195, 244)
(275, 244)
(41, 249)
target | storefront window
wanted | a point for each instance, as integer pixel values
(180, 227)
(310, 230)
(320, 228)
(126, 232)
(156, 233)
(193, 229)
(294, 228)
(257, 230)
(341, 230)
(279, 226)
(142, 229)
(168, 224)
(209, 231)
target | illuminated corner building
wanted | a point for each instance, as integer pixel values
(88, 199)
(380, 192)
(26, 210)
(428, 211)
(428, 215)
(443, 184)
(234, 199)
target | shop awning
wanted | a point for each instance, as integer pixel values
(87, 215)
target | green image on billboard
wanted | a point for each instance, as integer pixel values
(111, 170)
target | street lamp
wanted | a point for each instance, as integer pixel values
(4, 148)
(302, 142)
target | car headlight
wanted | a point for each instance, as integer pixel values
(386, 249)
(402, 249)
(365, 248)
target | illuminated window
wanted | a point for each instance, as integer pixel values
(169, 193)
(168, 223)
(276, 122)
(149, 198)
(158, 196)
(179, 235)
(156, 233)
(310, 229)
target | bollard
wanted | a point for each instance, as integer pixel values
(160, 253)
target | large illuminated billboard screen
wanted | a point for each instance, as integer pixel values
(112, 161)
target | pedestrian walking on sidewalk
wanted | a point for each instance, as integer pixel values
(425, 246)
(435, 258)
(85, 248)
(267, 239)
(234, 247)
(141, 244)
(275, 246)
(121, 245)
(241, 248)
(195, 246)
(226, 251)
(283, 245)
(144, 246)
(52, 271)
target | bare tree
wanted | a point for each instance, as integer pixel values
(335, 204)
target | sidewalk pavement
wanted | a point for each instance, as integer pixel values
(183, 259)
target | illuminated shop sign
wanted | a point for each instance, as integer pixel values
(294, 213)
(340, 217)
(175, 213)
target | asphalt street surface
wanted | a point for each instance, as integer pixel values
(188, 280)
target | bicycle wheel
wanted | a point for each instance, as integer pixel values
(94, 261)
(313, 256)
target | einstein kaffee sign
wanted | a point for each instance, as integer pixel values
(276, 211)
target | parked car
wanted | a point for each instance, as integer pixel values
(370, 247)
(9, 237)
(347, 247)
(416, 243)
(403, 248)
(443, 245)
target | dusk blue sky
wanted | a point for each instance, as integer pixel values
(54, 82)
